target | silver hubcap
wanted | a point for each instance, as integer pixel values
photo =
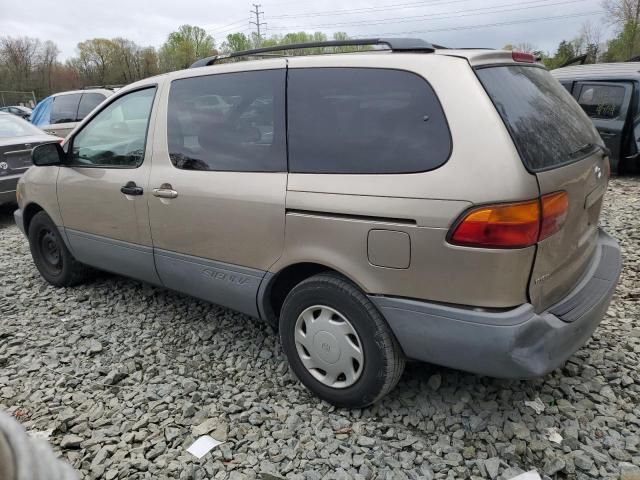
(329, 346)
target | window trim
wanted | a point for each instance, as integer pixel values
(404, 70)
(89, 119)
(285, 128)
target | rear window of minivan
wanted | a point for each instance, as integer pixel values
(547, 125)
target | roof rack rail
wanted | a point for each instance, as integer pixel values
(107, 87)
(580, 59)
(394, 44)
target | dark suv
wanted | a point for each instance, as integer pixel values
(608, 93)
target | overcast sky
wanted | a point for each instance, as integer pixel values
(485, 23)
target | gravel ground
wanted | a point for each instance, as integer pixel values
(124, 376)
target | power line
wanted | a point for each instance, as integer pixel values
(256, 11)
(498, 24)
(438, 16)
(226, 27)
(370, 9)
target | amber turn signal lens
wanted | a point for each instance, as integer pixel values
(514, 225)
(555, 208)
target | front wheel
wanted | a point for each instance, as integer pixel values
(337, 343)
(51, 256)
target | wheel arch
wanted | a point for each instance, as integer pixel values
(28, 213)
(276, 286)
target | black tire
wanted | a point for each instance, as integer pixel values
(50, 254)
(383, 360)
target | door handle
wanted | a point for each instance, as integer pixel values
(165, 191)
(131, 189)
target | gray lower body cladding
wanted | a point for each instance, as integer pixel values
(518, 343)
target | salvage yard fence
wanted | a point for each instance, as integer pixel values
(24, 99)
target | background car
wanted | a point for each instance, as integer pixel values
(17, 139)
(19, 110)
(59, 113)
(608, 93)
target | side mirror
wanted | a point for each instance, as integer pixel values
(47, 154)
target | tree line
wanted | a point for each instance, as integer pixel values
(30, 64)
(623, 15)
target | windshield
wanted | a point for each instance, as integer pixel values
(12, 126)
(546, 123)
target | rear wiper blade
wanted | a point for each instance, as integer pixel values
(588, 147)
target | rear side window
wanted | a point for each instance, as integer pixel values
(228, 122)
(364, 121)
(65, 108)
(88, 102)
(602, 101)
(545, 122)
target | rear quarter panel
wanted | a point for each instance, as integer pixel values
(484, 166)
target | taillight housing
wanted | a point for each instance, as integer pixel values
(511, 225)
(523, 57)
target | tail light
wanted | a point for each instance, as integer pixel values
(512, 225)
(555, 208)
(523, 57)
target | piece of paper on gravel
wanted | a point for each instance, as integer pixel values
(202, 446)
(532, 475)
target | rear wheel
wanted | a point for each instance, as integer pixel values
(337, 343)
(51, 256)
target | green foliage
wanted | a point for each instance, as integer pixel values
(185, 46)
(624, 45)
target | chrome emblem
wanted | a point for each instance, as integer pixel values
(4, 165)
(598, 171)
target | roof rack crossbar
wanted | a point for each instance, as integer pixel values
(394, 44)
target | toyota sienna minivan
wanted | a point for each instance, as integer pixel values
(408, 203)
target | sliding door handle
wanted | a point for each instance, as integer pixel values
(131, 189)
(165, 191)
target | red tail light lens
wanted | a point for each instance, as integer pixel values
(499, 226)
(513, 225)
(555, 208)
(523, 57)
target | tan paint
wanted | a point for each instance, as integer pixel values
(232, 217)
(38, 186)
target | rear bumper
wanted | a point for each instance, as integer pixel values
(517, 343)
(8, 188)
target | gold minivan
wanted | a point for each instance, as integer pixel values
(407, 203)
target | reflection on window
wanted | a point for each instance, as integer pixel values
(228, 122)
(116, 136)
(602, 101)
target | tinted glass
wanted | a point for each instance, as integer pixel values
(545, 122)
(602, 101)
(88, 102)
(362, 120)
(228, 122)
(65, 108)
(116, 136)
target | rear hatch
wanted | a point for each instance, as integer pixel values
(560, 146)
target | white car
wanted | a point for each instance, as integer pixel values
(58, 114)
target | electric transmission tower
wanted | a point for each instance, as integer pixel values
(258, 23)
